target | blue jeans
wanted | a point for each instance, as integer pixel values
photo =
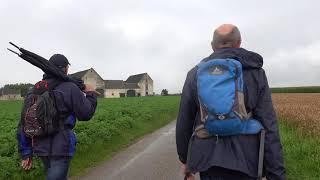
(56, 167)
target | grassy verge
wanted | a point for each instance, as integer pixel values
(301, 153)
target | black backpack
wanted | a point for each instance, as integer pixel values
(40, 116)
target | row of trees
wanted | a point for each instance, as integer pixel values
(22, 88)
(164, 92)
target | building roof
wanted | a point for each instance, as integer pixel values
(135, 78)
(120, 84)
(130, 83)
(114, 84)
(131, 86)
(79, 74)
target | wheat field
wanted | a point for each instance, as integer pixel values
(299, 109)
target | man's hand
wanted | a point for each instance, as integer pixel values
(26, 164)
(185, 171)
(89, 88)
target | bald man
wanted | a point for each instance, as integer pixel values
(230, 157)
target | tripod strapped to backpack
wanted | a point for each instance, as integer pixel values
(45, 65)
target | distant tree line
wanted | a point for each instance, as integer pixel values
(165, 92)
(23, 88)
(306, 89)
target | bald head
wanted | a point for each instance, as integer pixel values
(226, 36)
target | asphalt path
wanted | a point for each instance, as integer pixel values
(154, 157)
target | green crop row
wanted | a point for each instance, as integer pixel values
(306, 89)
(116, 123)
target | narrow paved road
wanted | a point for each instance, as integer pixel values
(152, 158)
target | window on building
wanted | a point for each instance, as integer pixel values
(112, 94)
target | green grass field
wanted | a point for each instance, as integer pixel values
(301, 153)
(116, 124)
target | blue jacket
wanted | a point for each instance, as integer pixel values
(71, 104)
(238, 153)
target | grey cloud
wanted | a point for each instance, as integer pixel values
(173, 37)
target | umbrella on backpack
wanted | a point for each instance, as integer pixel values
(45, 66)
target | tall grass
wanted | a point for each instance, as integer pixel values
(301, 153)
(300, 134)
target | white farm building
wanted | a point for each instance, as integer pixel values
(135, 85)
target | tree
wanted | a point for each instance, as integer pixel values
(22, 88)
(164, 92)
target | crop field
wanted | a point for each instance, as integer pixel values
(299, 116)
(119, 122)
(301, 110)
(116, 123)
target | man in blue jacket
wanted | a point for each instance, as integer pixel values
(56, 150)
(232, 157)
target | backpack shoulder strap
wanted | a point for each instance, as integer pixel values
(43, 86)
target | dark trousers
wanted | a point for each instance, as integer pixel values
(56, 167)
(206, 177)
(218, 173)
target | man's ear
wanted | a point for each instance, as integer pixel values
(66, 69)
(212, 46)
(238, 44)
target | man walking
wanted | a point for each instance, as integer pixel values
(56, 149)
(235, 156)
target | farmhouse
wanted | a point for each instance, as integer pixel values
(135, 85)
(10, 94)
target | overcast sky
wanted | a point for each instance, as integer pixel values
(164, 38)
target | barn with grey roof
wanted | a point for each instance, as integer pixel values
(135, 85)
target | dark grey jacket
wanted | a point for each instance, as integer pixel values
(239, 153)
